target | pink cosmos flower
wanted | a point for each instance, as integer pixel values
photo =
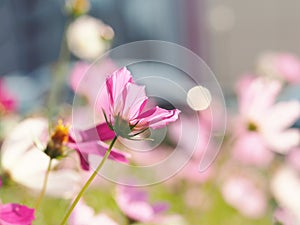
(123, 103)
(135, 205)
(283, 66)
(7, 101)
(15, 214)
(242, 194)
(85, 215)
(264, 125)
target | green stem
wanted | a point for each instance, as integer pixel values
(60, 70)
(43, 191)
(89, 181)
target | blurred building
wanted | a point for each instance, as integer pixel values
(227, 34)
(31, 30)
(240, 30)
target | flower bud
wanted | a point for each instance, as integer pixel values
(77, 7)
(56, 146)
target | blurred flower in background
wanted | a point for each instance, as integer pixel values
(285, 186)
(281, 66)
(8, 103)
(88, 38)
(245, 196)
(263, 125)
(83, 214)
(23, 160)
(15, 214)
(135, 205)
(77, 7)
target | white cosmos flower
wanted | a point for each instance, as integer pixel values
(26, 163)
(88, 37)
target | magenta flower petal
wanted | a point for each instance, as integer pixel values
(157, 117)
(132, 100)
(117, 82)
(90, 141)
(15, 214)
(96, 148)
(101, 132)
(160, 207)
(123, 98)
(7, 101)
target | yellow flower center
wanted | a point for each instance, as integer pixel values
(55, 147)
(60, 134)
(79, 7)
(252, 127)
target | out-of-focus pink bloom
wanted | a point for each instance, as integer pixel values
(7, 101)
(15, 214)
(85, 215)
(191, 172)
(262, 123)
(284, 217)
(251, 149)
(200, 143)
(293, 159)
(123, 103)
(135, 205)
(283, 66)
(197, 199)
(86, 80)
(285, 186)
(243, 195)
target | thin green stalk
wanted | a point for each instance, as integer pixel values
(89, 181)
(43, 191)
(60, 70)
